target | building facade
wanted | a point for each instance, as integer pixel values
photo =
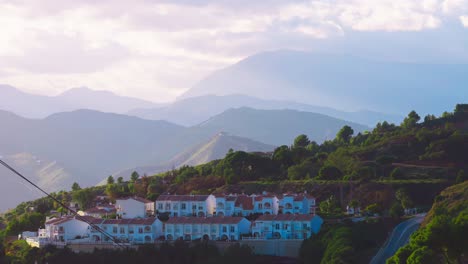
(134, 207)
(286, 226)
(266, 204)
(206, 228)
(186, 205)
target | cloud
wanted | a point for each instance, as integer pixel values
(464, 20)
(157, 49)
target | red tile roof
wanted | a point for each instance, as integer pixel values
(181, 198)
(136, 198)
(102, 211)
(245, 202)
(286, 217)
(134, 221)
(205, 220)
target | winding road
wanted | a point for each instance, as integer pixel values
(399, 237)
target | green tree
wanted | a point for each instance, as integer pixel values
(83, 197)
(110, 180)
(411, 120)
(120, 180)
(460, 176)
(76, 187)
(301, 141)
(345, 134)
(396, 174)
(134, 177)
(396, 210)
(328, 172)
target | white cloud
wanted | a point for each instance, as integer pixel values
(464, 20)
(158, 49)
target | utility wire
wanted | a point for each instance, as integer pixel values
(75, 214)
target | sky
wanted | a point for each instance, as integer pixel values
(156, 50)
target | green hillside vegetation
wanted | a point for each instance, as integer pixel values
(443, 238)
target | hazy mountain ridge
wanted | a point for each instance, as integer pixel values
(39, 106)
(341, 81)
(276, 127)
(193, 110)
(49, 175)
(215, 148)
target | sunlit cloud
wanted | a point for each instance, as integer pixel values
(158, 49)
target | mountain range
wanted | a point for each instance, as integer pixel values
(341, 81)
(39, 106)
(86, 146)
(194, 110)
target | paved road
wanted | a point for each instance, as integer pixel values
(399, 237)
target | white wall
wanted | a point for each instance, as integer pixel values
(130, 208)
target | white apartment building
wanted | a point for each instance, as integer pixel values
(266, 204)
(297, 204)
(225, 205)
(135, 231)
(206, 228)
(286, 226)
(69, 230)
(134, 207)
(186, 205)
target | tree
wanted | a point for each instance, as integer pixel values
(329, 206)
(345, 134)
(134, 177)
(83, 197)
(396, 173)
(110, 180)
(301, 141)
(404, 198)
(120, 180)
(460, 176)
(396, 210)
(373, 209)
(411, 120)
(328, 172)
(76, 187)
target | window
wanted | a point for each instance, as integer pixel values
(114, 230)
(277, 226)
(147, 229)
(194, 207)
(168, 206)
(224, 229)
(304, 226)
(232, 229)
(175, 207)
(260, 206)
(61, 229)
(175, 214)
(130, 230)
(183, 206)
(285, 226)
(122, 230)
(140, 230)
(160, 206)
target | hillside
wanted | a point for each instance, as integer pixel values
(47, 174)
(38, 106)
(341, 81)
(217, 148)
(276, 127)
(442, 238)
(194, 110)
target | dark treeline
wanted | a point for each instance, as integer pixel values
(177, 253)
